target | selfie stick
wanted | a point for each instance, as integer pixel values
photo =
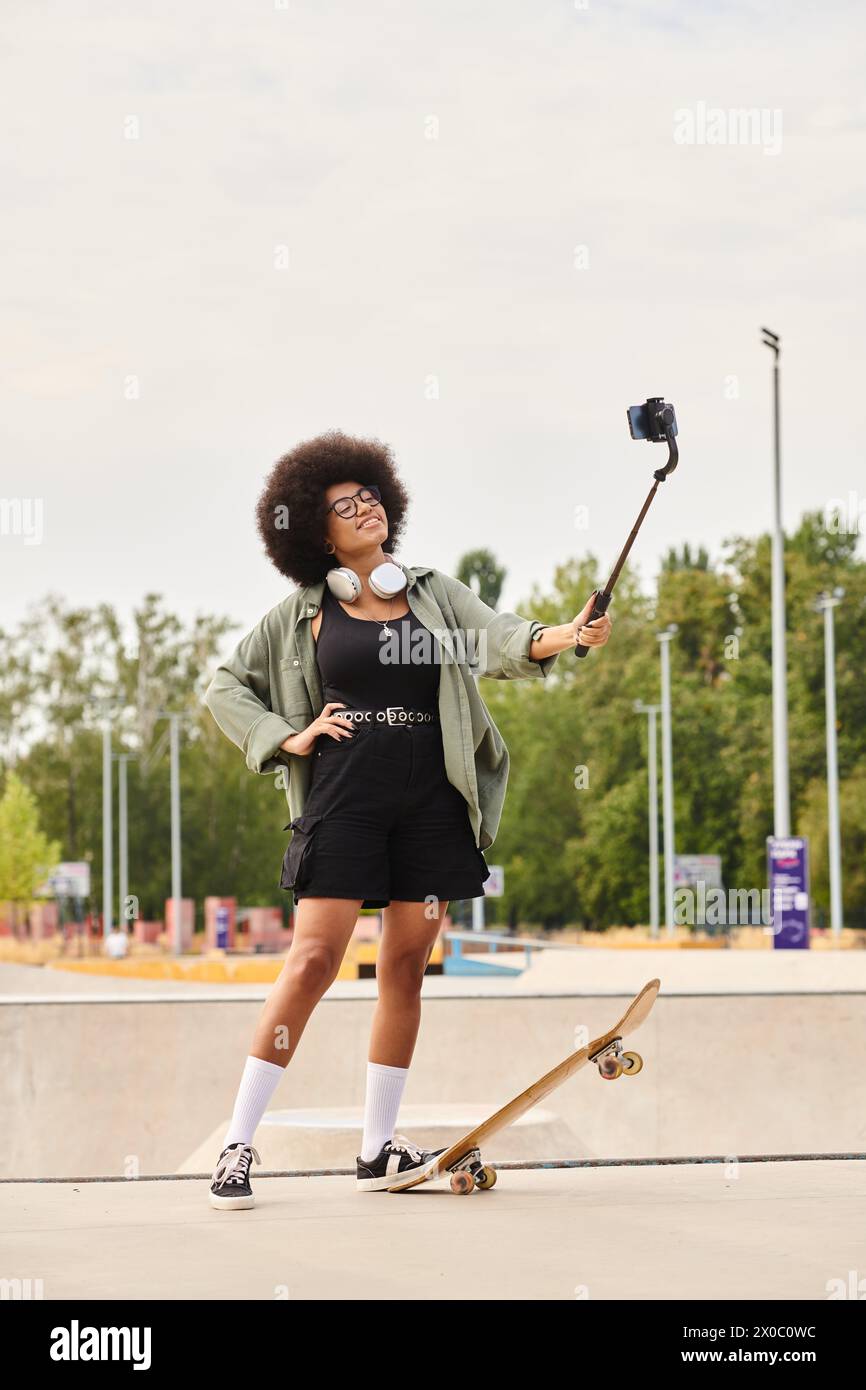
(603, 599)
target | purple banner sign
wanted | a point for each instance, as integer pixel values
(788, 875)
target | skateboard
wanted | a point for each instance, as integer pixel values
(463, 1159)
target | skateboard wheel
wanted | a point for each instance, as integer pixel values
(485, 1178)
(462, 1182)
(610, 1068)
(631, 1063)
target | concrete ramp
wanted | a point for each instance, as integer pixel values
(331, 1138)
(133, 1088)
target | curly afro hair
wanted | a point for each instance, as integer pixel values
(292, 508)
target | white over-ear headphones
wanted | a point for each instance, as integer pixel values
(385, 580)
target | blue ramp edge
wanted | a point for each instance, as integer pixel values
(461, 965)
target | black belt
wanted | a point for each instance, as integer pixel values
(393, 716)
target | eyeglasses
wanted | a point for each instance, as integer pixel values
(348, 506)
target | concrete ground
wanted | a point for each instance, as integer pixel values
(749, 1231)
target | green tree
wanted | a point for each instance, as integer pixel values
(479, 571)
(813, 823)
(27, 856)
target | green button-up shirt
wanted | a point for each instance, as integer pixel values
(271, 687)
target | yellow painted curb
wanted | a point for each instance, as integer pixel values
(216, 968)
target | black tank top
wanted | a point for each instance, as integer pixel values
(353, 660)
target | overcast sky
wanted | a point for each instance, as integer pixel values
(478, 231)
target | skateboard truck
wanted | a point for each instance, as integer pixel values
(469, 1172)
(613, 1063)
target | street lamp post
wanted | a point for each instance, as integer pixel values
(825, 604)
(652, 761)
(174, 720)
(122, 839)
(664, 640)
(177, 934)
(781, 793)
(107, 829)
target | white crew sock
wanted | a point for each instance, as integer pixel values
(384, 1093)
(258, 1083)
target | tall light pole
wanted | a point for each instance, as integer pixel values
(652, 760)
(781, 793)
(174, 720)
(664, 640)
(177, 934)
(106, 709)
(107, 829)
(826, 603)
(123, 839)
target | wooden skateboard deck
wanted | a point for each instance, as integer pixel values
(463, 1159)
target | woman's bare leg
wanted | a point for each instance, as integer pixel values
(409, 934)
(323, 928)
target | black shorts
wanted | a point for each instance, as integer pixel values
(382, 821)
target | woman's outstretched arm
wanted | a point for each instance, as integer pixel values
(510, 647)
(557, 639)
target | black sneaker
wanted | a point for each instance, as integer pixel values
(398, 1157)
(230, 1189)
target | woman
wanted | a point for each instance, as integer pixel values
(359, 690)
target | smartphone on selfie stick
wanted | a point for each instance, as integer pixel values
(656, 422)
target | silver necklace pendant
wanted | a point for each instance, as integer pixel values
(386, 630)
